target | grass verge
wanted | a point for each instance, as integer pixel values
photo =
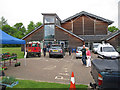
(35, 84)
(16, 50)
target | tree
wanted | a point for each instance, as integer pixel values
(9, 30)
(38, 24)
(31, 27)
(3, 21)
(20, 28)
(112, 29)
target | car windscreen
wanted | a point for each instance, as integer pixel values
(95, 46)
(108, 49)
(56, 47)
(34, 45)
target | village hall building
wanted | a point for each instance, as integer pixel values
(81, 28)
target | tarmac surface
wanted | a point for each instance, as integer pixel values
(45, 69)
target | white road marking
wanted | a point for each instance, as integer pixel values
(59, 77)
(64, 74)
(50, 67)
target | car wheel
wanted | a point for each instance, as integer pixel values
(76, 57)
(62, 56)
(39, 55)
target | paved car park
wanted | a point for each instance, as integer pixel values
(47, 69)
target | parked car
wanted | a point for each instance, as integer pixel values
(106, 74)
(79, 52)
(107, 51)
(56, 50)
(33, 49)
(95, 47)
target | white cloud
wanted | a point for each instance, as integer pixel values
(30, 10)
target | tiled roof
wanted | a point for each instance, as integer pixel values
(94, 38)
(110, 36)
(88, 14)
(32, 32)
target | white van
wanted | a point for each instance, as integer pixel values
(107, 51)
(95, 47)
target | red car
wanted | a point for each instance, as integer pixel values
(33, 49)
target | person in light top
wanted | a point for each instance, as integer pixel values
(88, 57)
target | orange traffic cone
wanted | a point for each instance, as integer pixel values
(72, 86)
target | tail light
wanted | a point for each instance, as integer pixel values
(100, 79)
(61, 51)
(77, 52)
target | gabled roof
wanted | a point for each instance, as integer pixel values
(94, 38)
(88, 14)
(70, 33)
(112, 35)
(32, 32)
(52, 14)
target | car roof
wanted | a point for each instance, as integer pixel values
(105, 45)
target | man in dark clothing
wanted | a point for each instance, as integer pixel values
(69, 50)
(48, 46)
(84, 55)
(44, 50)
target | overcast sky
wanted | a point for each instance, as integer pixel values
(30, 10)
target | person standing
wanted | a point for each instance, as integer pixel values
(44, 51)
(48, 47)
(84, 55)
(69, 50)
(88, 57)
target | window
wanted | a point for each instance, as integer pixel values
(29, 45)
(34, 45)
(57, 22)
(49, 31)
(49, 19)
(108, 49)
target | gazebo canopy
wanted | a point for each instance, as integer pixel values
(7, 39)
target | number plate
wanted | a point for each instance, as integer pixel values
(80, 55)
(113, 57)
(55, 50)
(29, 50)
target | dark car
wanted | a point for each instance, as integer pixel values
(106, 74)
(56, 50)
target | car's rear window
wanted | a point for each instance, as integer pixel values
(34, 45)
(56, 46)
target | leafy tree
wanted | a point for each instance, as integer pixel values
(112, 29)
(3, 21)
(38, 24)
(31, 27)
(9, 30)
(20, 28)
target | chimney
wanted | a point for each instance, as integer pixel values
(119, 15)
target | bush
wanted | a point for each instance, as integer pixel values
(8, 80)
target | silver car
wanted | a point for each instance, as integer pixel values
(56, 50)
(79, 52)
